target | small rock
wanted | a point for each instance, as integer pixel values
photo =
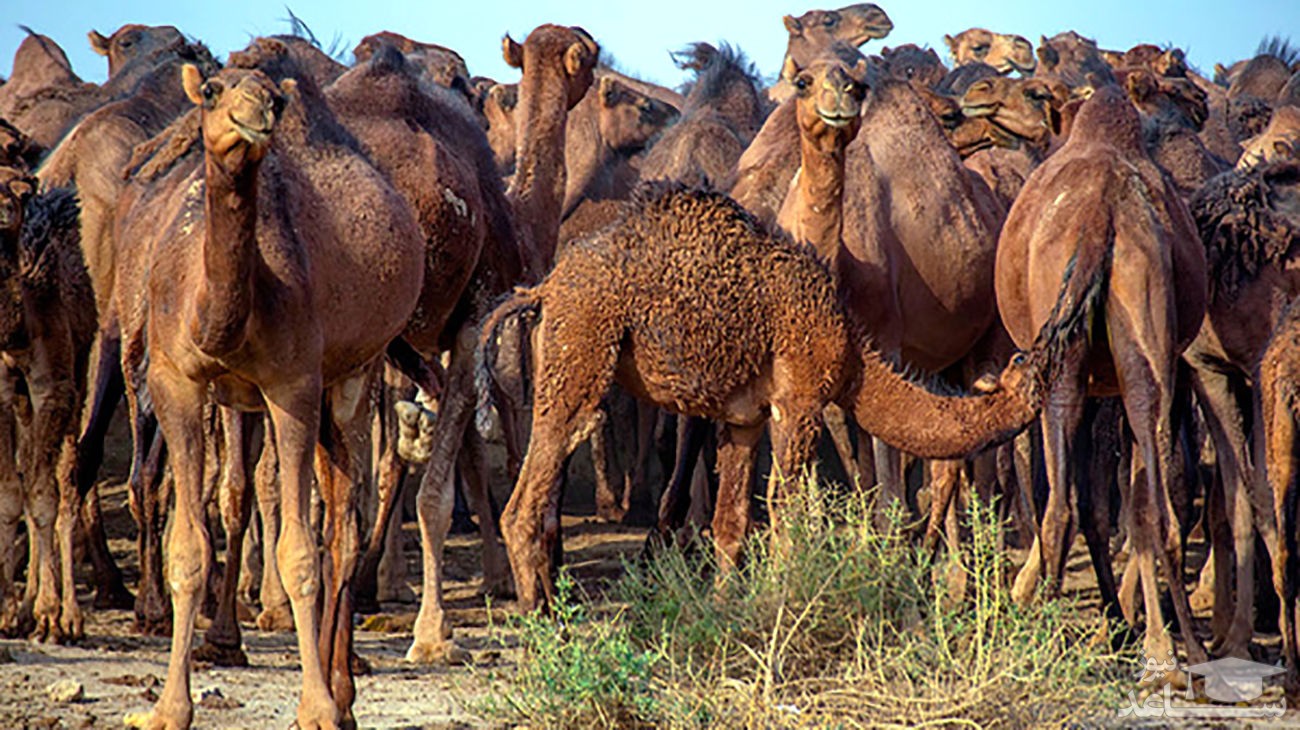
(213, 699)
(66, 690)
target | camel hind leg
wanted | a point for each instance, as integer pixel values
(1278, 379)
(574, 369)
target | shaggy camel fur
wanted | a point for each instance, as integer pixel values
(1003, 51)
(237, 245)
(722, 114)
(689, 304)
(558, 66)
(1279, 384)
(1249, 224)
(46, 328)
(1101, 203)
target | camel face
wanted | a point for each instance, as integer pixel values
(240, 108)
(1003, 51)
(552, 50)
(910, 62)
(1021, 107)
(629, 118)
(442, 65)
(1174, 99)
(817, 29)
(1279, 141)
(134, 41)
(828, 99)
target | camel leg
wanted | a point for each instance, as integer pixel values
(71, 622)
(434, 503)
(1282, 460)
(1145, 364)
(295, 413)
(837, 426)
(1095, 469)
(496, 567)
(152, 608)
(390, 573)
(676, 499)
(646, 418)
(250, 562)
(731, 514)
(945, 480)
(277, 614)
(794, 436)
(339, 477)
(1227, 427)
(11, 511)
(178, 404)
(889, 478)
(604, 461)
(222, 642)
(390, 472)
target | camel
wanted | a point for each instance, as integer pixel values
(910, 62)
(763, 173)
(808, 35)
(558, 65)
(235, 244)
(1073, 58)
(16, 148)
(442, 65)
(1174, 111)
(720, 343)
(721, 115)
(498, 102)
(1101, 204)
(91, 158)
(1280, 413)
(1170, 62)
(1022, 121)
(1247, 221)
(43, 96)
(1279, 141)
(48, 326)
(1003, 51)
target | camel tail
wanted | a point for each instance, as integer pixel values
(523, 303)
(1082, 296)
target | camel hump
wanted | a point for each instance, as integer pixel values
(387, 58)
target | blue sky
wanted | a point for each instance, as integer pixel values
(640, 35)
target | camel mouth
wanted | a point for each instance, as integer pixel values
(251, 134)
(836, 120)
(872, 32)
(979, 110)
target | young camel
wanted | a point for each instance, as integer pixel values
(1102, 204)
(267, 296)
(46, 328)
(744, 325)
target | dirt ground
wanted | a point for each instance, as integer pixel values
(121, 671)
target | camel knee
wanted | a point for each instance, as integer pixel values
(298, 564)
(188, 557)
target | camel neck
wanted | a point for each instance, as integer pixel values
(229, 250)
(819, 219)
(537, 190)
(888, 405)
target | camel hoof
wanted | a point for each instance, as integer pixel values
(318, 716)
(152, 720)
(51, 629)
(443, 652)
(1201, 599)
(116, 598)
(275, 619)
(359, 665)
(220, 656)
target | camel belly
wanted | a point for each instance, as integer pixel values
(741, 401)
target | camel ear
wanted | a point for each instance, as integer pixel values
(789, 69)
(574, 58)
(512, 52)
(22, 187)
(192, 79)
(952, 43)
(792, 25)
(98, 43)
(608, 92)
(987, 383)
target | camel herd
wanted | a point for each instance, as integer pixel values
(304, 279)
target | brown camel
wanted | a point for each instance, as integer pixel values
(91, 159)
(429, 144)
(227, 268)
(43, 96)
(1003, 51)
(1248, 223)
(1174, 111)
(440, 64)
(1279, 383)
(1101, 204)
(1073, 59)
(1169, 62)
(16, 148)
(722, 113)
(498, 103)
(558, 65)
(763, 173)
(910, 62)
(1021, 121)
(46, 330)
(1279, 141)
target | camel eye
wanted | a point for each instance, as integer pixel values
(801, 83)
(830, 19)
(979, 50)
(1019, 359)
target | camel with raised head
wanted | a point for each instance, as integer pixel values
(1099, 204)
(1003, 51)
(237, 242)
(808, 35)
(46, 330)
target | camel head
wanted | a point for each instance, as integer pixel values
(1022, 107)
(910, 62)
(1171, 99)
(1003, 51)
(1160, 61)
(1279, 141)
(817, 30)
(499, 101)
(628, 118)
(440, 64)
(829, 94)
(134, 41)
(554, 50)
(239, 109)
(16, 187)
